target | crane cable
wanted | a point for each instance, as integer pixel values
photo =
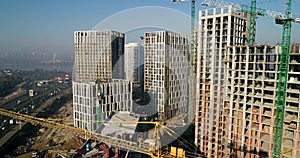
(172, 133)
(167, 130)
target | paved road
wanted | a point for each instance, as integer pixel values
(11, 133)
(13, 102)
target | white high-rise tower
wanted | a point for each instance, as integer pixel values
(166, 72)
(134, 60)
(98, 85)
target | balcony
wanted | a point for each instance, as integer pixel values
(292, 99)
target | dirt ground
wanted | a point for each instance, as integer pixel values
(55, 143)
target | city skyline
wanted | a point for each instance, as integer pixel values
(50, 25)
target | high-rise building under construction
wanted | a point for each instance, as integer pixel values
(218, 28)
(250, 102)
(98, 85)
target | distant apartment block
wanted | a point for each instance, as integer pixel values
(166, 70)
(250, 104)
(98, 55)
(134, 60)
(218, 28)
(93, 102)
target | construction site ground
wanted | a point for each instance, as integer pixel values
(52, 143)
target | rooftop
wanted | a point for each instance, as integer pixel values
(120, 123)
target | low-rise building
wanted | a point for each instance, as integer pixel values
(93, 102)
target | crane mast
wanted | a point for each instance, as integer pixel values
(192, 60)
(192, 33)
(282, 79)
(252, 23)
(192, 48)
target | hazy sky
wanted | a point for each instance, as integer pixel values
(48, 26)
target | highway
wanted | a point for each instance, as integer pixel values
(11, 133)
(41, 95)
(14, 101)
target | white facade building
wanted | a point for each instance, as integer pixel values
(218, 28)
(98, 55)
(166, 70)
(93, 102)
(134, 60)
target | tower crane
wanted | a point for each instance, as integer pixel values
(282, 77)
(140, 147)
(252, 22)
(85, 134)
(192, 48)
(285, 20)
(253, 11)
